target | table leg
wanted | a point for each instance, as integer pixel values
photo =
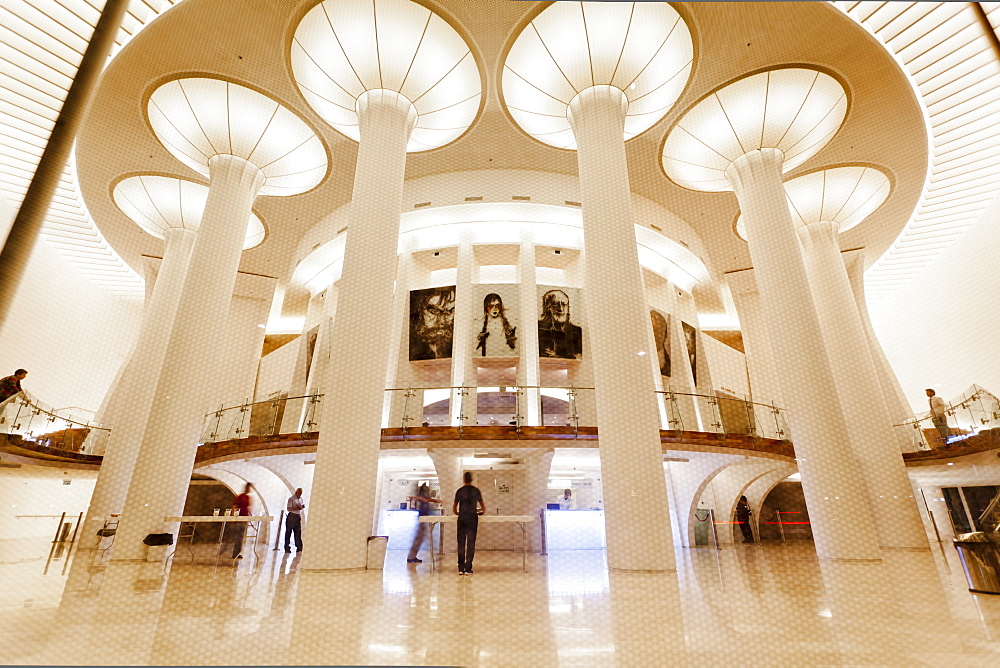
(524, 547)
(433, 559)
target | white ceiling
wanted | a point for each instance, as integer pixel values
(944, 47)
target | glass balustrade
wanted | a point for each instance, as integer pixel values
(570, 407)
(723, 413)
(36, 423)
(969, 418)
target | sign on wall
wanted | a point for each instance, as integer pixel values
(494, 325)
(432, 323)
(559, 332)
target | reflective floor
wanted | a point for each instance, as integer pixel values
(748, 605)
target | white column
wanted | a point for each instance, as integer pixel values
(318, 376)
(395, 403)
(869, 426)
(635, 493)
(162, 472)
(463, 373)
(139, 384)
(831, 478)
(764, 385)
(527, 332)
(347, 457)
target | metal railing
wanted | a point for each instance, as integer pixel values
(723, 413)
(970, 414)
(572, 407)
(40, 424)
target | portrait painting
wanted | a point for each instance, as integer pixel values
(494, 321)
(661, 339)
(559, 332)
(432, 323)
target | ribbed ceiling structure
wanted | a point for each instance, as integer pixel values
(944, 46)
(158, 203)
(343, 48)
(954, 66)
(644, 49)
(41, 46)
(845, 195)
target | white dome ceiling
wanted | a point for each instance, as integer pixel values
(343, 48)
(642, 48)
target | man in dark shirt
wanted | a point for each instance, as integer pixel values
(242, 506)
(11, 385)
(468, 506)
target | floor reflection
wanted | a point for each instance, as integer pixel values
(771, 604)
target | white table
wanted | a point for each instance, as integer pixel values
(520, 520)
(224, 519)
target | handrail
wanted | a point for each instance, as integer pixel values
(34, 422)
(295, 411)
(975, 410)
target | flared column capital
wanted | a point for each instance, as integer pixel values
(754, 167)
(601, 104)
(230, 171)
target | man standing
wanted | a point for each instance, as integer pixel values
(468, 506)
(939, 416)
(743, 519)
(11, 385)
(423, 502)
(566, 502)
(293, 520)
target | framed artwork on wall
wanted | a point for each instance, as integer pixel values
(432, 323)
(559, 332)
(661, 339)
(494, 326)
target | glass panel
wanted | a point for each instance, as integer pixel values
(979, 499)
(956, 511)
(556, 409)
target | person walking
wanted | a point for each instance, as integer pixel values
(11, 385)
(424, 502)
(468, 506)
(293, 520)
(242, 506)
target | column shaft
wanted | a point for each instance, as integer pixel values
(162, 472)
(866, 416)
(531, 406)
(635, 494)
(463, 372)
(140, 380)
(764, 385)
(831, 480)
(350, 433)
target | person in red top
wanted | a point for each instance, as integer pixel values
(11, 385)
(242, 505)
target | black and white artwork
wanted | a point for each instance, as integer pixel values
(494, 325)
(661, 339)
(691, 342)
(559, 334)
(432, 323)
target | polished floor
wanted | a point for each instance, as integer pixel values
(745, 605)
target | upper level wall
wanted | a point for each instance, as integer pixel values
(69, 333)
(942, 329)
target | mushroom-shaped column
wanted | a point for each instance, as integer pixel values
(822, 205)
(396, 77)
(247, 144)
(588, 76)
(169, 209)
(742, 137)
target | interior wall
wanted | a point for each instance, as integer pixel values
(41, 490)
(727, 365)
(940, 329)
(69, 333)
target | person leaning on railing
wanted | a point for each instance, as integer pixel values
(11, 385)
